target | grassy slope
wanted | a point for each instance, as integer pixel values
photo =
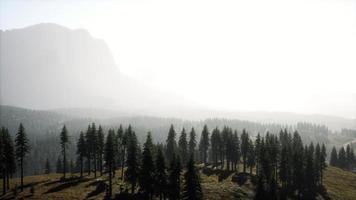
(339, 184)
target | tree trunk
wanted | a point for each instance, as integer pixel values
(95, 164)
(123, 164)
(21, 165)
(89, 166)
(81, 167)
(8, 180)
(64, 163)
(3, 182)
(110, 181)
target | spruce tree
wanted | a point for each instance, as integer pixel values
(192, 189)
(132, 161)
(171, 144)
(183, 146)
(251, 156)
(161, 175)
(174, 179)
(89, 149)
(64, 142)
(2, 159)
(204, 144)
(341, 161)
(322, 162)
(22, 149)
(333, 157)
(100, 148)
(192, 142)
(215, 145)
(146, 176)
(244, 148)
(9, 156)
(109, 158)
(81, 151)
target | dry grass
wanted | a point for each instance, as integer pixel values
(340, 185)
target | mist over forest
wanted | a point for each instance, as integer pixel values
(70, 103)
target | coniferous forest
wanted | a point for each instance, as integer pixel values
(278, 165)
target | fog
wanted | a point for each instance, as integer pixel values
(278, 55)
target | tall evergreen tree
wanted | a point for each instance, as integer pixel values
(174, 179)
(192, 142)
(2, 159)
(215, 141)
(100, 148)
(161, 175)
(244, 147)
(333, 157)
(192, 189)
(322, 162)
(89, 149)
(22, 149)
(204, 144)
(109, 157)
(341, 161)
(146, 176)
(81, 151)
(9, 156)
(64, 143)
(132, 161)
(171, 144)
(251, 156)
(183, 146)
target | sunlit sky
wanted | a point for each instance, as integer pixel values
(256, 55)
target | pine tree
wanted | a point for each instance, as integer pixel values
(244, 148)
(64, 142)
(161, 175)
(322, 162)
(132, 160)
(192, 189)
(9, 156)
(47, 167)
(204, 144)
(100, 148)
(109, 158)
(341, 161)
(174, 179)
(81, 151)
(333, 157)
(183, 146)
(22, 148)
(93, 146)
(146, 177)
(192, 142)
(171, 144)
(215, 141)
(251, 156)
(88, 147)
(2, 159)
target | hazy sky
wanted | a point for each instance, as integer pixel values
(267, 55)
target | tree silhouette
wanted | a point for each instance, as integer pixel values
(160, 175)
(132, 160)
(146, 176)
(81, 151)
(171, 144)
(64, 142)
(22, 148)
(183, 146)
(109, 157)
(192, 188)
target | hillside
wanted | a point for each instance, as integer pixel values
(339, 184)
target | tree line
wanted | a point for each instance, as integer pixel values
(345, 159)
(280, 164)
